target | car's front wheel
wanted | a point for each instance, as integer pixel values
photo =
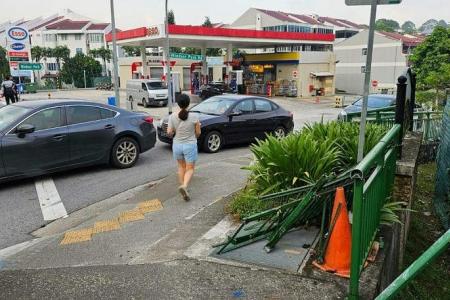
(213, 142)
(125, 153)
(145, 103)
(279, 132)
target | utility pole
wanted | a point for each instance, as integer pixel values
(114, 55)
(84, 74)
(167, 63)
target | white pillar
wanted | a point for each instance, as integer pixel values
(144, 62)
(229, 59)
(204, 65)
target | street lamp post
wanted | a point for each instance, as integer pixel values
(84, 74)
(167, 63)
(114, 55)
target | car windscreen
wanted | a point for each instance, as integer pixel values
(155, 85)
(214, 106)
(10, 114)
(375, 102)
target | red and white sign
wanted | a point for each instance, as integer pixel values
(14, 65)
(172, 63)
(374, 83)
(295, 74)
(17, 54)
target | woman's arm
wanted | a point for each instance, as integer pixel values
(198, 130)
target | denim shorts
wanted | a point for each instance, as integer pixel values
(186, 152)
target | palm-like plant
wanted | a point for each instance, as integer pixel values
(103, 53)
(60, 53)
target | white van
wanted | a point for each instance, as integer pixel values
(147, 92)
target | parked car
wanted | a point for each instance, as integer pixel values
(213, 88)
(375, 101)
(40, 137)
(147, 92)
(235, 119)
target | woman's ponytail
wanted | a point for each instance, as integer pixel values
(183, 103)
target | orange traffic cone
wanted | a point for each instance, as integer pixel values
(337, 252)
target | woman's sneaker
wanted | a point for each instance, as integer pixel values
(184, 193)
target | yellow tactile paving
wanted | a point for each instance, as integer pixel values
(107, 225)
(77, 236)
(150, 205)
(130, 216)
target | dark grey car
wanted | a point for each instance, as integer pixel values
(39, 137)
(375, 101)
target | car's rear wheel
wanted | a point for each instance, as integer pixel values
(125, 153)
(279, 132)
(213, 142)
(145, 103)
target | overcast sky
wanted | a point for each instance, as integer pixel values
(137, 13)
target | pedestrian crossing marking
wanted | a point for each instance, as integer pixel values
(150, 206)
(106, 225)
(130, 216)
(77, 236)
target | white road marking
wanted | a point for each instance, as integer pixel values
(14, 249)
(51, 205)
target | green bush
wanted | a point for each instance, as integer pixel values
(300, 159)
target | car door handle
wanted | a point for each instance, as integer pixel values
(59, 137)
(109, 126)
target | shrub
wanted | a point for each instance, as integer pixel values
(300, 159)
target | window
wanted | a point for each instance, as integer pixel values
(9, 114)
(79, 50)
(82, 114)
(155, 85)
(78, 37)
(107, 114)
(262, 106)
(46, 119)
(144, 87)
(52, 66)
(245, 107)
(96, 37)
(364, 51)
(213, 106)
(63, 37)
(50, 37)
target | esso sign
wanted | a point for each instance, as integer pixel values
(17, 33)
(151, 31)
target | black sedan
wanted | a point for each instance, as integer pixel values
(40, 137)
(213, 89)
(234, 119)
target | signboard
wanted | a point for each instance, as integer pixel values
(30, 66)
(172, 63)
(18, 45)
(374, 83)
(156, 31)
(369, 2)
(186, 56)
(214, 61)
(295, 74)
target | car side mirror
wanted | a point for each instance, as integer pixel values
(235, 113)
(24, 129)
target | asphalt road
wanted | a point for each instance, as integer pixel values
(20, 212)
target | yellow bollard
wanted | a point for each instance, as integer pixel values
(49, 96)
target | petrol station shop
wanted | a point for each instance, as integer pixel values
(295, 74)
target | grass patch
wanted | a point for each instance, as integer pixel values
(434, 281)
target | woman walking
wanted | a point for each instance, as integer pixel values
(185, 128)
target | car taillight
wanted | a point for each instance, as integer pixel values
(148, 120)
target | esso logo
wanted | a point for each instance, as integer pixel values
(17, 33)
(152, 31)
(17, 46)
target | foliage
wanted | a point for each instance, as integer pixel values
(73, 70)
(103, 53)
(4, 64)
(207, 22)
(431, 55)
(409, 27)
(431, 24)
(389, 212)
(171, 17)
(439, 80)
(132, 50)
(60, 53)
(37, 53)
(300, 159)
(387, 25)
(428, 98)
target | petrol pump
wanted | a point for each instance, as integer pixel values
(236, 81)
(196, 77)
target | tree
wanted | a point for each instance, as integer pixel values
(37, 53)
(207, 22)
(103, 53)
(439, 80)
(74, 67)
(387, 25)
(132, 50)
(60, 53)
(442, 23)
(4, 64)
(171, 17)
(431, 55)
(409, 27)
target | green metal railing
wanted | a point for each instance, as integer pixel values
(373, 180)
(429, 255)
(427, 122)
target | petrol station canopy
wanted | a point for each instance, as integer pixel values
(201, 37)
